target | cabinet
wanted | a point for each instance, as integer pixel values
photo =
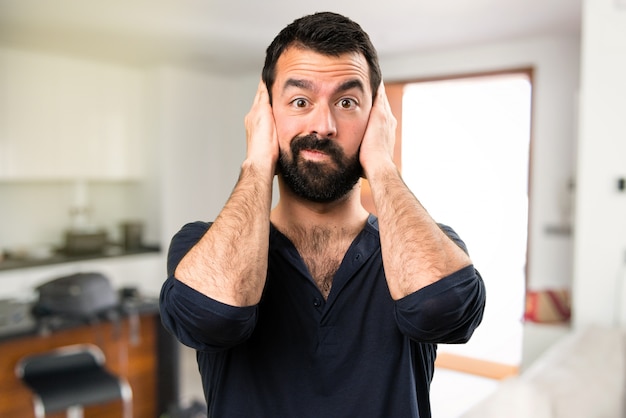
(65, 118)
(134, 358)
(150, 362)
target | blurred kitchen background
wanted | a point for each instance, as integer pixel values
(122, 121)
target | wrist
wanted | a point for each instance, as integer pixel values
(259, 168)
(381, 169)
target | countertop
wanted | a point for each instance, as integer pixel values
(9, 263)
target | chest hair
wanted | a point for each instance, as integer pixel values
(322, 250)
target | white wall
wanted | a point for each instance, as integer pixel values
(600, 245)
(35, 214)
(35, 208)
(201, 136)
(555, 64)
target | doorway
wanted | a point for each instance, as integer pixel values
(465, 153)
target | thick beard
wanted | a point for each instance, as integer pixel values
(319, 182)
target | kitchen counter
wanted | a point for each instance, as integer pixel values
(10, 263)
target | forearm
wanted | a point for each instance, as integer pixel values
(416, 252)
(229, 263)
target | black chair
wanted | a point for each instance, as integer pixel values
(70, 378)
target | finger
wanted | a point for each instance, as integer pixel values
(381, 88)
(381, 97)
(261, 93)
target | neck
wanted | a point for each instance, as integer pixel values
(293, 212)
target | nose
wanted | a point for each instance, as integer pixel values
(323, 122)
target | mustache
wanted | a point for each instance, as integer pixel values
(313, 142)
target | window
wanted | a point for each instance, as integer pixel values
(465, 155)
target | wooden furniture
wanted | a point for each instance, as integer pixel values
(131, 347)
(70, 378)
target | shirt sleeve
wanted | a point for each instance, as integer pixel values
(194, 319)
(447, 311)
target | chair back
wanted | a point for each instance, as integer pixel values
(70, 358)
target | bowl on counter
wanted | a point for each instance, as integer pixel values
(80, 242)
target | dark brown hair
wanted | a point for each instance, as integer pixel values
(326, 33)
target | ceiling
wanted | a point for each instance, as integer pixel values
(231, 35)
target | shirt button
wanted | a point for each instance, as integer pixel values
(317, 302)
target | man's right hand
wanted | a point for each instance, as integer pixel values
(262, 141)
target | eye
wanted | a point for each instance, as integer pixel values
(299, 103)
(347, 103)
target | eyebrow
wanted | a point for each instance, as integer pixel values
(298, 83)
(307, 85)
(351, 84)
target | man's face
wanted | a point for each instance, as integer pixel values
(321, 106)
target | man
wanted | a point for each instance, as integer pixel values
(316, 308)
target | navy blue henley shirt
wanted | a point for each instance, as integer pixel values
(295, 355)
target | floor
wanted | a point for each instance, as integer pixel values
(453, 393)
